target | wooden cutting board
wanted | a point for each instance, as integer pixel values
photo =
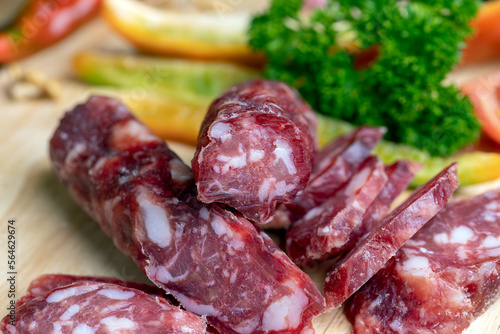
(52, 234)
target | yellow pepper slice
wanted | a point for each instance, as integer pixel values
(200, 35)
(169, 118)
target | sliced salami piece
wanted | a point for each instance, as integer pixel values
(326, 229)
(332, 168)
(372, 252)
(441, 279)
(334, 165)
(255, 148)
(49, 282)
(399, 175)
(97, 307)
(215, 262)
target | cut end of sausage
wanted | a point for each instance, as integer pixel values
(72, 304)
(380, 245)
(255, 149)
(252, 166)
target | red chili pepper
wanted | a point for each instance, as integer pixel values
(42, 24)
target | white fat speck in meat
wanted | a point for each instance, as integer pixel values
(57, 327)
(324, 230)
(238, 161)
(424, 250)
(116, 324)
(75, 152)
(220, 226)
(117, 294)
(490, 242)
(99, 164)
(357, 180)
(458, 298)
(493, 206)
(217, 186)
(204, 214)
(180, 172)
(59, 295)
(247, 326)
(490, 216)
(156, 222)
(396, 325)
(283, 152)
(441, 238)
(256, 155)
(313, 213)
(32, 325)
(461, 235)
(71, 311)
(83, 329)
(129, 134)
(280, 188)
(220, 130)
(195, 307)
(234, 275)
(113, 307)
(417, 266)
(164, 276)
(264, 188)
(137, 130)
(285, 313)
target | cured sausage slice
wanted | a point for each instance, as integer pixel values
(255, 148)
(324, 230)
(48, 282)
(96, 307)
(335, 164)
(441, 279)
(399, 176)
(373, 252)
(215, 262)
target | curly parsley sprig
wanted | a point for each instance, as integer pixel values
(414, 45)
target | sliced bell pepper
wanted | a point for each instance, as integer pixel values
(484, 44)
(484, 93)
(473, 167)
(169, 117)
(200, 35)
(42, 24)
(180, 77)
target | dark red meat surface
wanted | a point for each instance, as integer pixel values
(326, 229)
(49, 282)
(255, 148)
(65, 305)
(334, 165)
(215, 262)
(381, 243)
(441, 279)
(399, 176)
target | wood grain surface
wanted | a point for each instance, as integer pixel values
(53, 235)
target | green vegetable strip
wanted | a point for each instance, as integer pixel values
(180, 77)
(414, 45)
(473, 168)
